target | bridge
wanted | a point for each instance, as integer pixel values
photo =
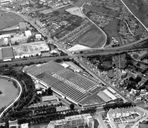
(135, 46)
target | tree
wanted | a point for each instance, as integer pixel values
(72, 106)
(49, 91)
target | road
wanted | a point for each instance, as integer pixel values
(106, 52)
(134, 15)
(70, 55)
(87, 69)
(17, 98)
(98, 116)
(81, 10)
(99, 50)
(32, 60)
(138, 45)
(145, 116)
(45, 59)
(103, 81)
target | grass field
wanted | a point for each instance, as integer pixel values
(8, 19)
(112, 30)
(9, 92)
(93, 38)
(139, 8)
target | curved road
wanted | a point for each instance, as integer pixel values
(81, 10)
(17, 98)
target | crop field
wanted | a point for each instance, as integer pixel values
(8, 19)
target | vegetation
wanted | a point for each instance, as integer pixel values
(139, 8)
(117, 105)
(104, 63)
(93, 38)
(35, 115)
(8, 19)
(47, 92)
(72, 106)
(28, 87)
(45, 114)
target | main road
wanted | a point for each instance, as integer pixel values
(44, 59)
(32, 60)
(135, 46)
(89, 53)
(102, 80)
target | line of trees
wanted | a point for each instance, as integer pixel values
(28, 88)
(45, 114)
(46, 118)
(117, 105)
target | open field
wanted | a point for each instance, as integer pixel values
(112, 30)
(9, 92)
(8, 19)
(139, 8)
(93, 38)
